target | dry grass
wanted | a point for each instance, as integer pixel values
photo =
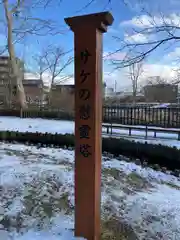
(115, 229)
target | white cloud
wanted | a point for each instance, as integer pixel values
(120, 78)
(164, 71)
(138, 21)
(174, 55)
(114, 56)
(136, 38)
(145, 21)
(150, 70)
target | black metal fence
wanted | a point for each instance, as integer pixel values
(161, 117)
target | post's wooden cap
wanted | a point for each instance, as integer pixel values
(99, 20)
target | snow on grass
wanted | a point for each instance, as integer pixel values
(37, 197)
(36, 125)
(33, 188)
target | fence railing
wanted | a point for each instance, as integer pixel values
(162, 117)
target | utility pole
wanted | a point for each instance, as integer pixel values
(115, 85)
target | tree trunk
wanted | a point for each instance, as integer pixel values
(134, 95)
(17, 76)
(50, 91)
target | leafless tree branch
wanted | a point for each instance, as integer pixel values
(51, 60)
(163, 29)
(21, 21)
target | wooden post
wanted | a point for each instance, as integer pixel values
(88, 31)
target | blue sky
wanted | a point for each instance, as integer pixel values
(75, 7)
(125, 21)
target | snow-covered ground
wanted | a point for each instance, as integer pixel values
(37, 197)
(36, 125)
(53, 126)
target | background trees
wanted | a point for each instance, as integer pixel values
(19, 22)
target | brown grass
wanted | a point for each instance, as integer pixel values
(115, 229)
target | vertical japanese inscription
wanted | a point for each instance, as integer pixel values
(84, 95)
(85, 56)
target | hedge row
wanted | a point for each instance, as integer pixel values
(152, 154)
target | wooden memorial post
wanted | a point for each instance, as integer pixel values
(88, 31)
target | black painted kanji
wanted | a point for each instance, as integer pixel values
(84, 94)
(84, 75)
(85, 150)
(84, 131)
(85, 56)
(84, 112)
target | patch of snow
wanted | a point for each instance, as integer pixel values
(163, 105)
(4, 234)
(153, 213)
(156, 214)
(36, 125)
(147, 173)
(15, 207)
(60, 230)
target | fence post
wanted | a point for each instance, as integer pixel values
(152, 120)
(169, 116)
(138, 118)
(146, 131)
(21, 112)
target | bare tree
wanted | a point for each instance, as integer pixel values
(156, 80)
(21, 21)
(41, 63)
(54, 57)
(52, 61)
(16, 75)
(135, 72)
(176, 78)
(146, 36)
